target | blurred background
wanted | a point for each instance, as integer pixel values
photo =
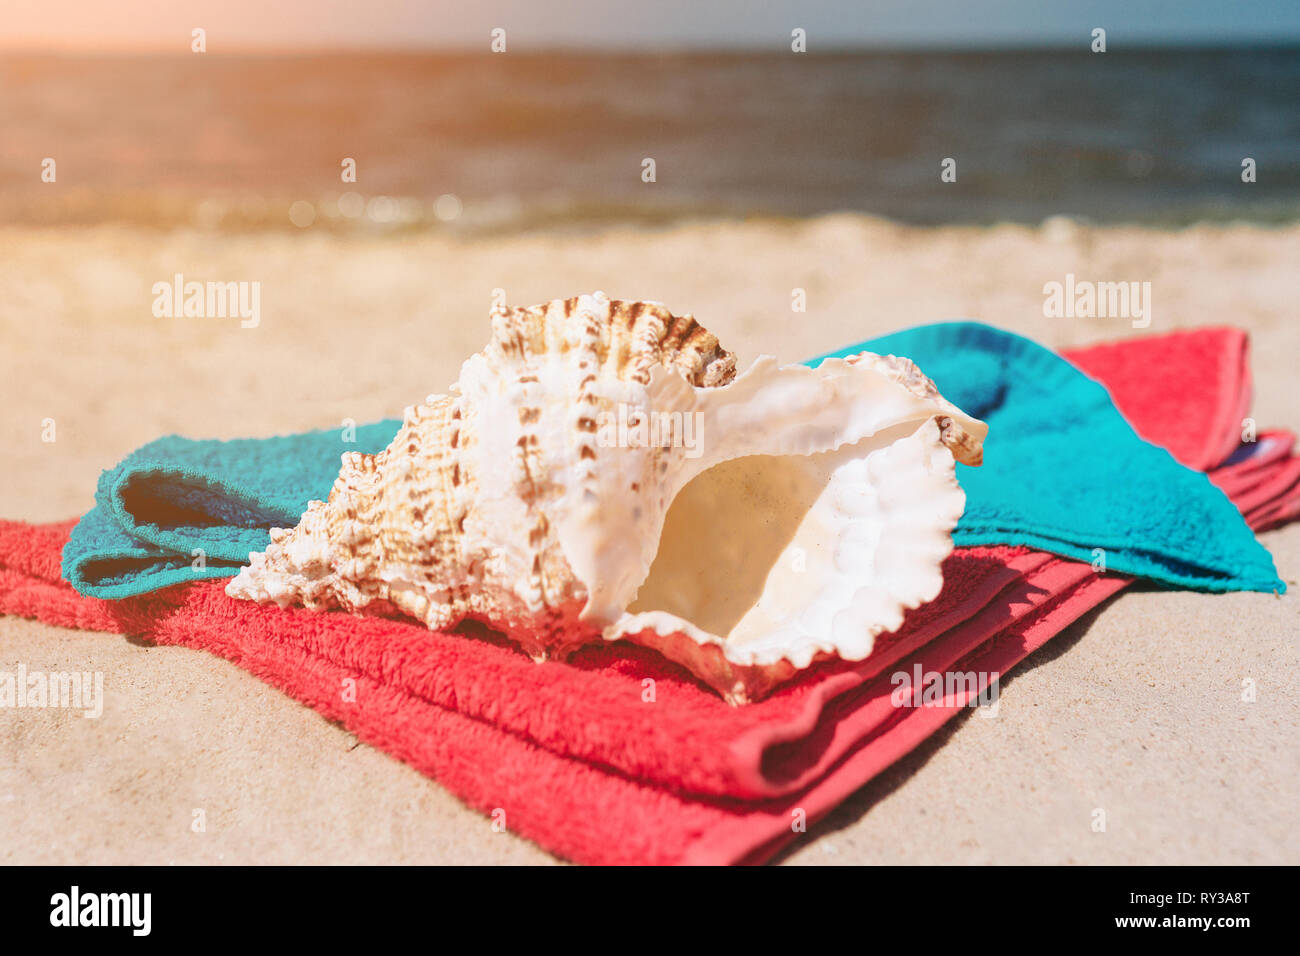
(553, 130)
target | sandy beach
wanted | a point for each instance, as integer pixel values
(1135, 709)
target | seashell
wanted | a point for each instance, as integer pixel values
(600, 472)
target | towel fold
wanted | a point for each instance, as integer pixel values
(1058, 474)
(1264, 480)
(576, 757)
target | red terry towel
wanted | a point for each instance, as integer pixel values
(1152, 382)
(517, 746)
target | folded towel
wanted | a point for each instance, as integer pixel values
(520, 737)
(1065, 472)
(1191, 369)
(1267, 495)
(573, 807)
(178, 509)
(579, 809)
(1059, 475)
(1264, 480)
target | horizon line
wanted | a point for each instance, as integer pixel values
(1010, 46)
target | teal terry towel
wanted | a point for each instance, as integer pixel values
(1062, 472)
(179, 509)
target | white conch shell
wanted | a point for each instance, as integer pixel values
(600, 471)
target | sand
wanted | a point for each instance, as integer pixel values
(1137, 710)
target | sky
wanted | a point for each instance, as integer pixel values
(634, 24)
